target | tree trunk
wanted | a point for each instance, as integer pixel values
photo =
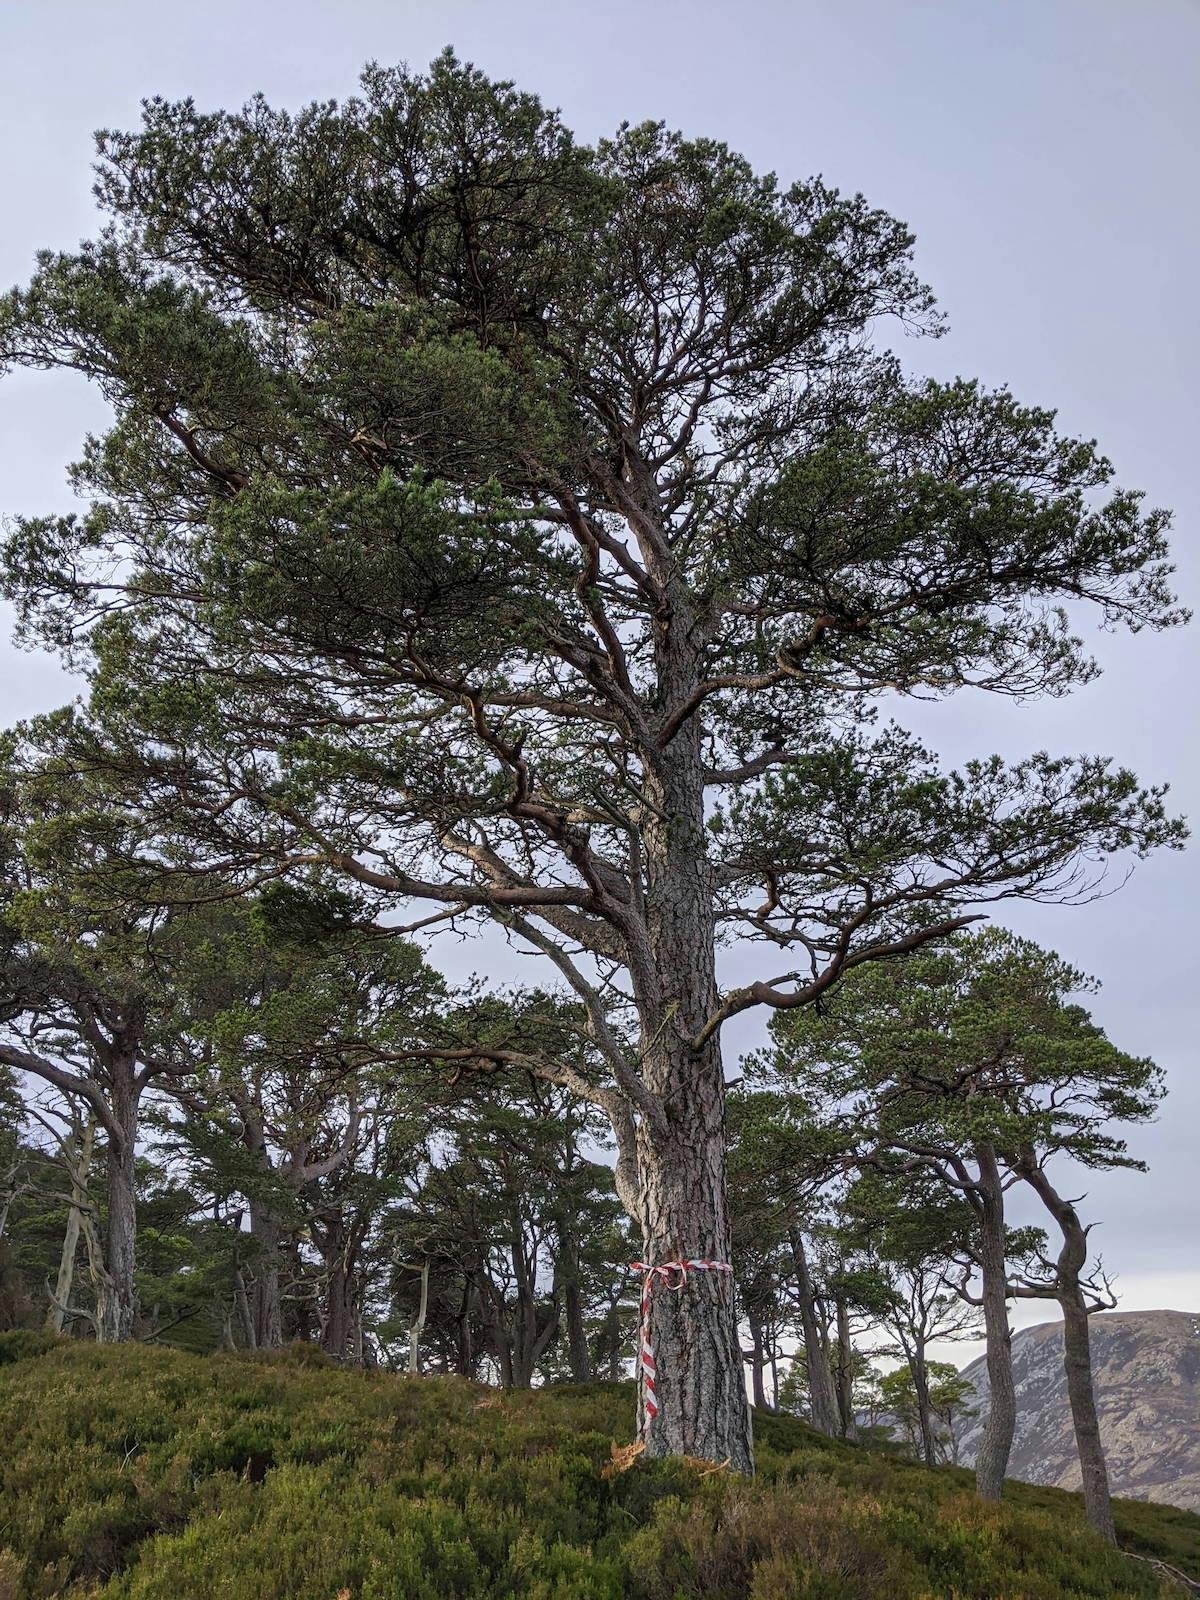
(845, 1372)
(245, 1315)
(1077, 1361)
(464, 1344)
(80, 1165)
(919, 1367)
(337, 1330)
(339, 1315)
(996, 1445)
(121, 1244)
(758, 1360)
(107, 1315)
(418, 1323)
(579, 1357)
(1077, 1356)
(268, 1300)
(701, 1393)
(502, 1344)
(821, 1393)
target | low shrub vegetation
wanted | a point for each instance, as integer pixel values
(142, 1473)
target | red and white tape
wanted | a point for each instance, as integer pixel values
(672, 1275)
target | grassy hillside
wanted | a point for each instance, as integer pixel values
(149, 1474)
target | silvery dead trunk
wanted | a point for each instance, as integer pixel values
(418, 1323)
(78, 1151)
(996, 1445)
(106, 1318)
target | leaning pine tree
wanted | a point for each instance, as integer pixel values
(525, 528)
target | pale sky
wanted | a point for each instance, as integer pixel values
(1044, 152)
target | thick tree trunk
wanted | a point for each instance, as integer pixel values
(121, 1243)
(821, 1393)
(80, 1165)
(1077, 1355)
(996, 1446)
(338, 1326)
(701, 1394)
(339, 1314)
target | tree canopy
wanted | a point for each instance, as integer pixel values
(531, 530)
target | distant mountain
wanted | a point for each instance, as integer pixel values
(1147, 1371)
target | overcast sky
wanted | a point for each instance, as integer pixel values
(1045, 153)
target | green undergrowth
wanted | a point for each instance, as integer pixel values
(148, 1474)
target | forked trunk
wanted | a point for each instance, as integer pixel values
(996, 1446)
(80, 1164)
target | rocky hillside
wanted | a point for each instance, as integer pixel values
(1147, 1368)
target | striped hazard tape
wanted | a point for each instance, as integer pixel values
(671, 1275)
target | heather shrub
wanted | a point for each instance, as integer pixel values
(139, 1473)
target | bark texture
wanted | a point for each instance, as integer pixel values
(701, 1392)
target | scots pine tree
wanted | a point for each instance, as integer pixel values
(522, 530)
